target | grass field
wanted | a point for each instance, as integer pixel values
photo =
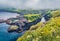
(32, 17)
(50, 31)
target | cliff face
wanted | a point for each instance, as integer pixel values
(23, 23)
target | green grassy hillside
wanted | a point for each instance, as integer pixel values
(32, 17)
(49, 31)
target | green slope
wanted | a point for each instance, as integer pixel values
(32, 17)
(50, 31)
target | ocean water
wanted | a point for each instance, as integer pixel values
(6, 15)
(4, 35)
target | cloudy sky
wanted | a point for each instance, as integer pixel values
(34, 4)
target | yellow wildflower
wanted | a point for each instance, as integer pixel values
(57, 36)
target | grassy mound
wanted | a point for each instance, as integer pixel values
(32, 17)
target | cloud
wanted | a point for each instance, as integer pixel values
(12, 3)
(33, 4)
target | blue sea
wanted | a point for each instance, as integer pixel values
(4, 35)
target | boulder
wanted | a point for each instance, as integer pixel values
(12, 28)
